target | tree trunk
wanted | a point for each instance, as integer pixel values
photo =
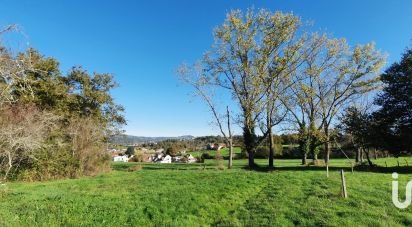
(10, 166)
(314, 156)
(357, 155)
(304, 157)
(230, 153)
(251, 159)
(271, 150)
(361, 155)
(249, 138)
(367, 156)
(327, 146)
(230, 139)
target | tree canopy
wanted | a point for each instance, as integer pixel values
(53, 125)
(394, 118)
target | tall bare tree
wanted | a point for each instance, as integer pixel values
(301, 99)
(193, 76)
(331, 77)
(249, 48)
(13, 70)
(355, 74)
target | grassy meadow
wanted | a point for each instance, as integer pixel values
(224, 152)
(201, 195)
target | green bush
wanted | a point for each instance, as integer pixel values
(207, 156)
(263, 151)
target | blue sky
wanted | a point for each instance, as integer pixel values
(143, 42)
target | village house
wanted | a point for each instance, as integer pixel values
(215, 146)
(191, 159)
(166, 159)
(121, 158)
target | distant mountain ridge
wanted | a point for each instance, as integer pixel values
(130, 139)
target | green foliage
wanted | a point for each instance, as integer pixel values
(357, 123)
(393, 119)
(78, 105)
(138, 156)
(130, 151)
(173, 150)
(263, 151)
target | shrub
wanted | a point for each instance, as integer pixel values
(219, 161)
(200, 159)
(82, 153)
(207, 156)
(291, 152)
(138, 157)
(278, 150)
(262, 152)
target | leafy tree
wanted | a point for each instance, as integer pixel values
(130, 151)
(357, 123)
(394, 118)
(173, 150)
(79, 106)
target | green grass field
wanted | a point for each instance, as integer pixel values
(189, 195)
(224, 152)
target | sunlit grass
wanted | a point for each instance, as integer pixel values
(201, 195)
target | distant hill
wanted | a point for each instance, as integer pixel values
(129, 139)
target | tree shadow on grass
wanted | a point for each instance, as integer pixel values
(260, 168)
(362, 168)
(163, 166)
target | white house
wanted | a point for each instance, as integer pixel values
(166, 159)
(121, 158)
(177, 159)
(191, 159)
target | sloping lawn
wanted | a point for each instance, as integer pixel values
(189, 195)
(224, 152)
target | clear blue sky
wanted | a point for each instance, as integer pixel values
(143, 42)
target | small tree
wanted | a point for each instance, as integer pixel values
(172, 150)
(130, 151)
(357, 123)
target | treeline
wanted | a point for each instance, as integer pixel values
(52, 124)
(129, 139)
(278, 74)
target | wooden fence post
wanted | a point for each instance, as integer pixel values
(344, 192)
(398, 162)
(406, 162)
(386, 164)
(327, 170)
